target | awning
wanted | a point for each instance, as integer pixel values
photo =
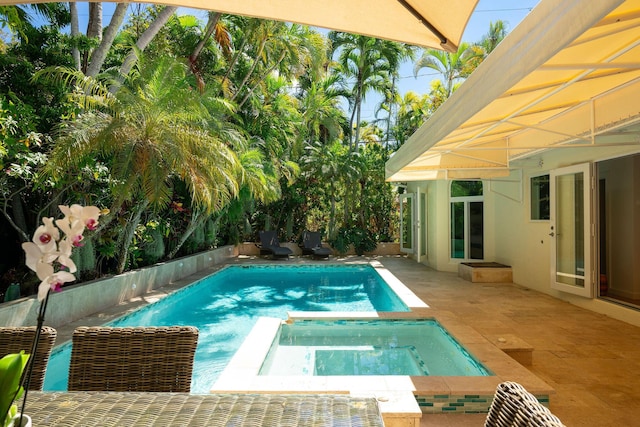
(567, 76)
(429, 23)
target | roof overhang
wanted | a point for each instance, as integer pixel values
(429, 23)
(567, 76)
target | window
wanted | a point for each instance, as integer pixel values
(540, 198)
(467, 220)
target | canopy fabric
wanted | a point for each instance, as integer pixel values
(567, 76)
(428, 23)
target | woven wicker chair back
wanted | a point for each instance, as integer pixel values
(14, 339)
(514, 406)
(143, 359)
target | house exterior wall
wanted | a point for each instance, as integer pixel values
(512, 238)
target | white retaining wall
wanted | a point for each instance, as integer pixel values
(84, 299)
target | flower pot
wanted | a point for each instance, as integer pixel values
(26, 421)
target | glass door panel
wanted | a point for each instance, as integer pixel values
(476, 230)
(406, 223)
(423, 224)
(570, 230)
(457, 230)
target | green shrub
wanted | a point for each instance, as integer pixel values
(84, 257)
(153, 247)
(361, 239)
(210, 232)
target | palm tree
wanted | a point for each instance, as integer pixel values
(334, 166)
(451, 66)
(414, 109)
(479, 51)
(16, 17)
(263, 37)
(370, 63)
(152, 131)
(319, 102)
(297, 48)
(491, 40)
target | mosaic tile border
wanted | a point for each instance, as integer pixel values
(467, 404)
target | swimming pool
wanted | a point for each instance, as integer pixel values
(417, 347)
(225, 306)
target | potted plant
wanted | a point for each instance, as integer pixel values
(11, 368)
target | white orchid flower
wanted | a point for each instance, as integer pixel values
(64, 255)
(54, 282)
(88, 215)
(46, 236)
(35, 256)
(47, 248)
(73, 230)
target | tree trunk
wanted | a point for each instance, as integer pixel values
(127, 236)
(234, 60)
(145, 39)
(17, 218)
(211, 26)
(332, 212)
(94, 29)
(253, 67)
(358, 108)
(193, 58)
(100, 54)
(264, 76)
(197, 218)
(392, 104)
(75, 32)
(94, 26)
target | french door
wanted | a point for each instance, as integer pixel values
(407, 223)
(571, 230)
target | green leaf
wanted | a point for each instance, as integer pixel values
(11, 368)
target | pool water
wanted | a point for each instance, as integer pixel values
(368, 347)
(225, 306)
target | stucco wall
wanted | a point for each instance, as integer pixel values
(437, 227)
(512, 238)
(526, 245)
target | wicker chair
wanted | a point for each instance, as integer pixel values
(514, 406)
(144, 359)
(14, 339)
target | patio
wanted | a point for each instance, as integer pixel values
(592, 361)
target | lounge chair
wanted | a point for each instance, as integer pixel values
(141, 359)
(312, 245)
(270, 245)
(14, 339)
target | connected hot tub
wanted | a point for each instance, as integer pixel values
(415, 347)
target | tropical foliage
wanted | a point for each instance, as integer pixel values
(197, 132)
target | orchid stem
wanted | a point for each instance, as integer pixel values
(27, 378)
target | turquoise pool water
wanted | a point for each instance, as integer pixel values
(369, 347)
(225, 306)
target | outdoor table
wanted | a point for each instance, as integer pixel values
(119, 409)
